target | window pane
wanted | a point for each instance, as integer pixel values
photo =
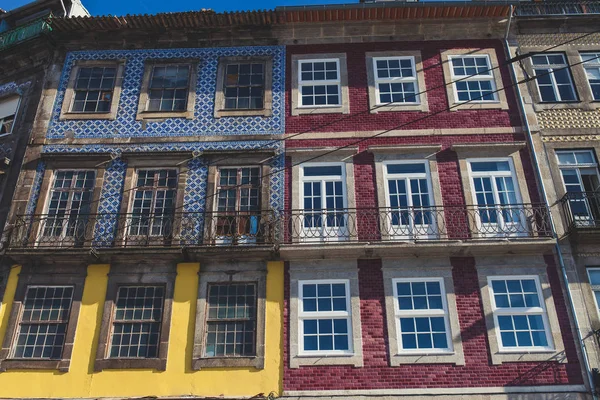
(137, 321)
(332, 170)
(490, 166)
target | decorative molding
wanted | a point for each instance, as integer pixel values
(571, 138)
(203, 122)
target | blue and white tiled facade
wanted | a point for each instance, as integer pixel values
(99, 134)
(203, 123)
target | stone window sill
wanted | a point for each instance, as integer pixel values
(227, 362)
(59, 365)
(244, 113)
(124, 363)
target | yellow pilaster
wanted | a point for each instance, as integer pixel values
(9, 296)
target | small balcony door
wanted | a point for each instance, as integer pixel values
(498, 210)
(68, 208)
(579, 171)
(324, 202)
(153, 205)
(237, 216)
(409, 200)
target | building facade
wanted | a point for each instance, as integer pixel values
(142, 238)
(338, 201)
(561, 108)
(424, 262)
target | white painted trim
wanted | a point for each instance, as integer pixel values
(467, 78)
(440, 391)
(525, 311)
(550, 71)
(400, 79)
(325, 82)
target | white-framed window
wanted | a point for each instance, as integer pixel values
(497, 197)
(409, 198)
(519, 313)
(594, 277)
(421, 313)
(324, 317)
(8, 112)
(476, 79)
(319, 83)
(591, 64)
(68, 204)
(579, 171)
(153, 202)
(553, 78)
(323, 201)
(396, 80)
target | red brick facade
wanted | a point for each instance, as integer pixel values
(377, 372)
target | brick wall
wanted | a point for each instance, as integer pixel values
(361, 119)
(478, 371)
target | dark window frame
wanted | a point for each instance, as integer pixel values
(31, 275)
(267, 109)
(136, 275)
(219, 273)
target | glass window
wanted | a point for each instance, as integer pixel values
(421, 315)
(553, 78)
(519, 312)
(591, 63)
(323, 201)
(43, 322)
(319, 83)
(409, 200)
(153, 202)
(325, 317)
(8, 111)
(238, 202)
(69, 204)
(168, 88)
(396, 80)
(581, 178)
(497, 198)
(244, 86)
(137, 322)
(475, 78)
(93, 89)
(231, 321)
(594, 276)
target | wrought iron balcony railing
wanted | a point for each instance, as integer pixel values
(559, 7)
(281, 227)
(24, 32)
(581, 210)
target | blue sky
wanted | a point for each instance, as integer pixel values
(122, 7)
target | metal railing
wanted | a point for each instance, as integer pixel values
(561, 7)
(581, 210)
(24, 32)
(281, 227)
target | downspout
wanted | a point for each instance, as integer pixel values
(561, 260)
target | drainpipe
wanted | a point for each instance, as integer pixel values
(561, 260)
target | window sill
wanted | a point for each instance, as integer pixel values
(341, 109)
(450, 357)
(548, 106)
(164, 114)
(326, 359)
(82, 116)
(399, 108)
(498, 105)
(129, 363)
(265, 112)
(58, 365)
(228, 362)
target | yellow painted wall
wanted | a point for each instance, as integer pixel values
(178, 379)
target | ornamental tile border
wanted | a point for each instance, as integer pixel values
(203, 123)
(573, 138)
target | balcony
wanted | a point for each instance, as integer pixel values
(24, 32)
(559, 8)
(280, 228)
(582, 211)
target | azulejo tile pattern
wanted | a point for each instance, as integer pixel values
(13, 88)
(194, 202)
(36, 188)
(203, 123)
(277, 163)
(110, 203)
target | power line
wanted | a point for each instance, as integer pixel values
(267, 146)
